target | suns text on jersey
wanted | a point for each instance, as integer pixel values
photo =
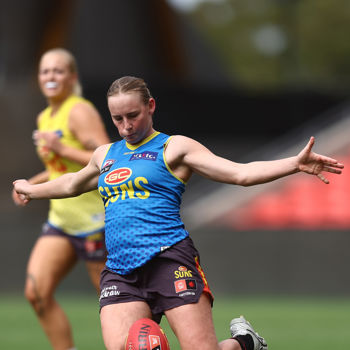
(131, 189)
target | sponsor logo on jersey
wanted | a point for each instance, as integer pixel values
(118, 176)
(107, 165)
(147, 155)
(182, 285)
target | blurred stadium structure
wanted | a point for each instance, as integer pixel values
(197, 97)
(300, 202)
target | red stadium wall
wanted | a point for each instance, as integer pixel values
(301, 202)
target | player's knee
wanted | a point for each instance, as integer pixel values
(114, 340)
(34, 295)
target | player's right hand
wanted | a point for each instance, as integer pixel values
(19, 198)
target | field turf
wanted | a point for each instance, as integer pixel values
(287, 323)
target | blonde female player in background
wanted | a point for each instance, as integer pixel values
(69, 130)
(141, 180)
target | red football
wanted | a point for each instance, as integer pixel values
(145, 334)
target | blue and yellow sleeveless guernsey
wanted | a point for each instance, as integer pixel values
(78, 216)
(142, 200)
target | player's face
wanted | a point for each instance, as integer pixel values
(56, 81)
(131, 116)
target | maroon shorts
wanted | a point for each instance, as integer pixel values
(90, 248)
(172, 278)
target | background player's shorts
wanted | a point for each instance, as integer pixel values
(89, 248)
(172, 278)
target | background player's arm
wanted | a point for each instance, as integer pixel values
(39, 178)
(86, 125)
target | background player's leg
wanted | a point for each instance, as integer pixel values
(94, 269)
(51, 259)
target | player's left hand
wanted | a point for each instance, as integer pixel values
(314, 164)
(50, 140)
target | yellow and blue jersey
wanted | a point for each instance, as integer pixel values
(142, 200)
(78, 216)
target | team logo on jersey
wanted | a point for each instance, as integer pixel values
(182, 272)
(107, 165)
(147, 155)
(118, 176)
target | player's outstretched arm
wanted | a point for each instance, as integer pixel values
(67, 185)
(199, 159)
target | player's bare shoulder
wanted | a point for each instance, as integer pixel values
(179, 145)
(100, 154)
(176, 153)
(83, 107)
(180, 139)
(83, 114)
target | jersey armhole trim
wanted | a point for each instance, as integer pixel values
(166, 164)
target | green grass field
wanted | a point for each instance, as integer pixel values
(287, 323)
